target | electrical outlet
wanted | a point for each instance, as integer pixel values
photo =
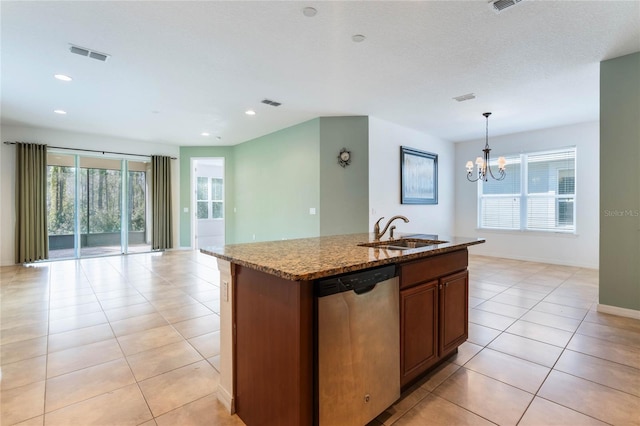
(312, 210)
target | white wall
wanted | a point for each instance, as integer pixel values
(578, 250)
(385, 140)
(67, 140)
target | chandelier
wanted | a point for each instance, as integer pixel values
(483, 166)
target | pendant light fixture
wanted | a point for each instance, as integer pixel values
(483, 165)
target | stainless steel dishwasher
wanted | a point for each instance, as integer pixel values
(358, 346)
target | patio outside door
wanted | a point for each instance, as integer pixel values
(97, 206)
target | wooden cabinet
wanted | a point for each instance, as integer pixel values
(454, 312)
(433, 311)
(273, 349)
(418, 329)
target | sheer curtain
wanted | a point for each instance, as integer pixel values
(32, 241)
(161, 237)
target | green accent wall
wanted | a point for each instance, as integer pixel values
(277, 181)
(186, 154)
(620, 182)
(344, 191)
(272, 182)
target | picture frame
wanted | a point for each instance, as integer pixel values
(418, 176)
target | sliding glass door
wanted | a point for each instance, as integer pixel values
(97, 206)
(61, 205)
(100, 199)
(138, 213)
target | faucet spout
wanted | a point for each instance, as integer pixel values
(376, 228)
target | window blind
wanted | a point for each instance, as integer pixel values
(538, 193)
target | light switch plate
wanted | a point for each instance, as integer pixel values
(312, 210)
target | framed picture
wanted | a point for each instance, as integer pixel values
(418, 176)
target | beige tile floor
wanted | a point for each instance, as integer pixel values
(134, 340)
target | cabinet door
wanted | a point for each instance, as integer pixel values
(454, 313)
(418, 330)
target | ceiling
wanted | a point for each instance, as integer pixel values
(181, 68)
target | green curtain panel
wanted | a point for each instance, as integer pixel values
(32, 241)
(161, 237)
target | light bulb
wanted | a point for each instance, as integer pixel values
(502, 163)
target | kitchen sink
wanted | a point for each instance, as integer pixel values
(403, 243)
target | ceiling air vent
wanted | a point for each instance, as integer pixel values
(465, 97)
(83, 51)
(79, 51)
(270, 102)
(99, 56)
(500, 5)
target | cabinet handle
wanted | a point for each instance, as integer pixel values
(440, 286)
(446, 284)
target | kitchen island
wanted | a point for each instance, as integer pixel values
(269, 321)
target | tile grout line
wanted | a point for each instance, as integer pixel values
(536, 395)
(504, 331)
(474, 355)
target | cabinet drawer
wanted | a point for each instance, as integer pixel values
(432, 267)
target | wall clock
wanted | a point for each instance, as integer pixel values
(344, 158)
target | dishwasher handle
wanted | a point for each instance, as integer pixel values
(365, 289)
(359, 282)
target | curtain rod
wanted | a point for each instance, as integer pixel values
(92, 150)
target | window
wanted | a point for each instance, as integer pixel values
(216, 198)
(100, 200)
(209, 198)
(96, 205)
(61, 200)
(137, 201)
(538, 194)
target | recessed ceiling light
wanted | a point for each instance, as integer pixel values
(250, 112)
(357, 38)
(205, 134)
(60, 111)
(63, 77)
(309, 12)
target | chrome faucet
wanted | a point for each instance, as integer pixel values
(376, 227)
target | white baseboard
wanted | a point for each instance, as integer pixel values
(482, 251)
(226, 399)
(7, 262)
(621, 312)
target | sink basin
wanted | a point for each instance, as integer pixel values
(403, 244)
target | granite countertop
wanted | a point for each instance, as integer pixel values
(308, 259)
